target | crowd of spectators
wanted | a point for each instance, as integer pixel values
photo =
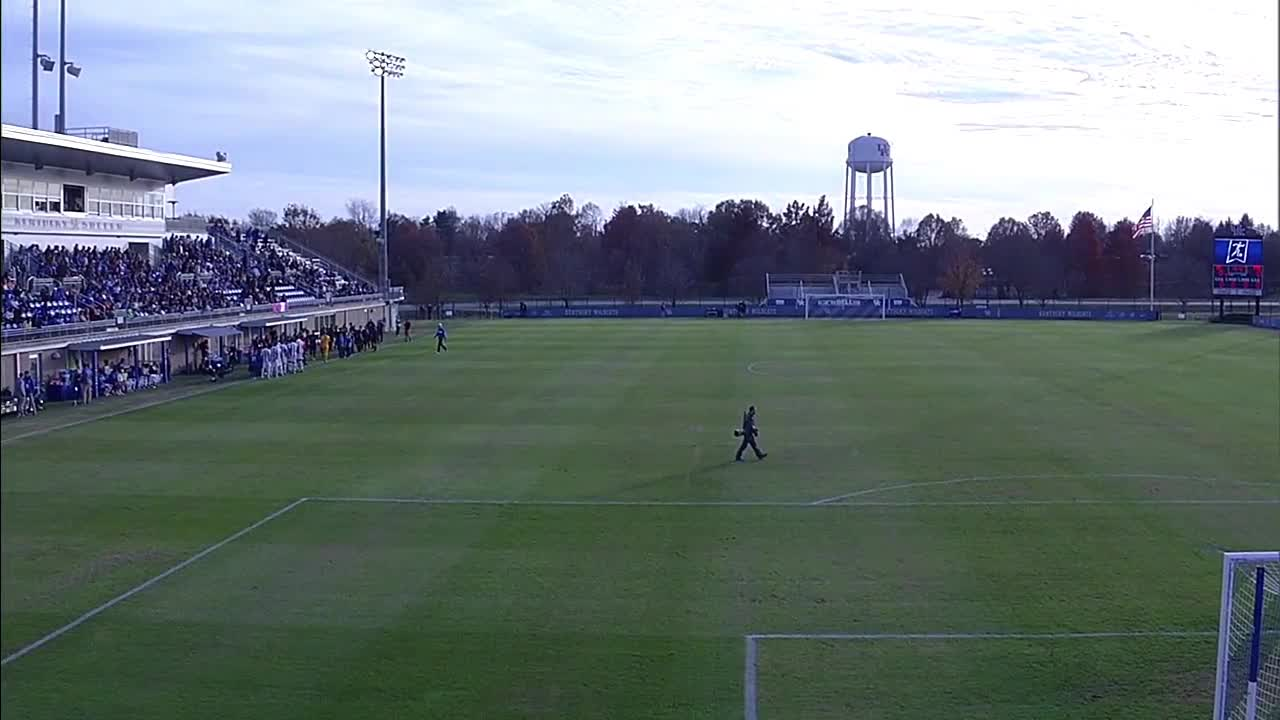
(80, 385)
(313, 275)
(80, 284)
(59, 285)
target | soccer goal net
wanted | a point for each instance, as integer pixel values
(845, 305)
(1248, 678)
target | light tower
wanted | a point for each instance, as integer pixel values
(383, 65)
(869, 155)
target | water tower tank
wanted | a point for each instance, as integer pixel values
(870, 154)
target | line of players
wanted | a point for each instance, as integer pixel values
(284, 357)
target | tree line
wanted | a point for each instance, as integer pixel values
(563, 250)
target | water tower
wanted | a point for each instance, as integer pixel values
(870, 156)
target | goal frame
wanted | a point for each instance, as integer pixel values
(882, 302)
(1230, 562)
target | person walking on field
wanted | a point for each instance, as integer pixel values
(407, 335)
(441, 336)
(748, 433)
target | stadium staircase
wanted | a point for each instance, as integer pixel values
(340, 280)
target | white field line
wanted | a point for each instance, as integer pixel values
(986, 635)
(143, 586)
(123, 411)
(751, 639)
(214, 387)
(774, 504)
(987, 478)
(750, 671)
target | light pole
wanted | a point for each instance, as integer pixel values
(35, 64)
(46, 63)
(65, 68)
(384, 65)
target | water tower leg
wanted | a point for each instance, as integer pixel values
(869, 205)
(846, 196)
(884, 200)
(893, 198)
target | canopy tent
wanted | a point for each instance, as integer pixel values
(221, 333)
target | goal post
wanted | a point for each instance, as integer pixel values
(1247, 682)
(865, 305)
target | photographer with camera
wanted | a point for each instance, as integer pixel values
(748, 433)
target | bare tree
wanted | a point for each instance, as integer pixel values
(300, 219)
(363, 213)
(262, 219)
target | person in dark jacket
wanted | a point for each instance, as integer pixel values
(748, 434)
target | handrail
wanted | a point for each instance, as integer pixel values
(305, 251)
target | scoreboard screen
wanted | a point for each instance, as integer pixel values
(1237, 267)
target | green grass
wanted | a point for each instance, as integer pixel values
(341, 610)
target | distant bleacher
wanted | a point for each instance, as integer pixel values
(796, 286)
(782, 286)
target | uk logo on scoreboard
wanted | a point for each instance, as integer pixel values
(1237, 252)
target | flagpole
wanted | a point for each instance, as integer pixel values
(1152, 278)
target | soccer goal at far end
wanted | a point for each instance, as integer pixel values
(1247, 683)
(865, 306)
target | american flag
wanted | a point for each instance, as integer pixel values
(1144, 224)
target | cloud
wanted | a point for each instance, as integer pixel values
(1004, 111)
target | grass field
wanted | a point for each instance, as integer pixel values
(970, 477)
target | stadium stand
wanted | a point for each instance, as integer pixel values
(890, 285)
(55, 285)
(795, 287)
(305, 277)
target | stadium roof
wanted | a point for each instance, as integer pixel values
(275, 321)
(120, 343)
(48, 149)
(210, 332)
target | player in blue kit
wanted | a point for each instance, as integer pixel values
(441, 336)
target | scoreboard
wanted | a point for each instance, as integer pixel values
(1237, 267)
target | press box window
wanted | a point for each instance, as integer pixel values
(73, 198)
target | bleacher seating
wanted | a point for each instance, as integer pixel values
(796, 286)
(841, 282)
(309, 276)
(227, 267)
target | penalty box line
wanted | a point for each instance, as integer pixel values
(50, 637)
(751, 661)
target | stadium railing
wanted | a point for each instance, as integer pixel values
(307, 252)
(147, 321)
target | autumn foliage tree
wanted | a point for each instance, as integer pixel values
(961, 269)
(563, 250)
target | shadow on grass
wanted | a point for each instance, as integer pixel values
(677, 480)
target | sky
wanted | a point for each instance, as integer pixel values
(991, 108)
